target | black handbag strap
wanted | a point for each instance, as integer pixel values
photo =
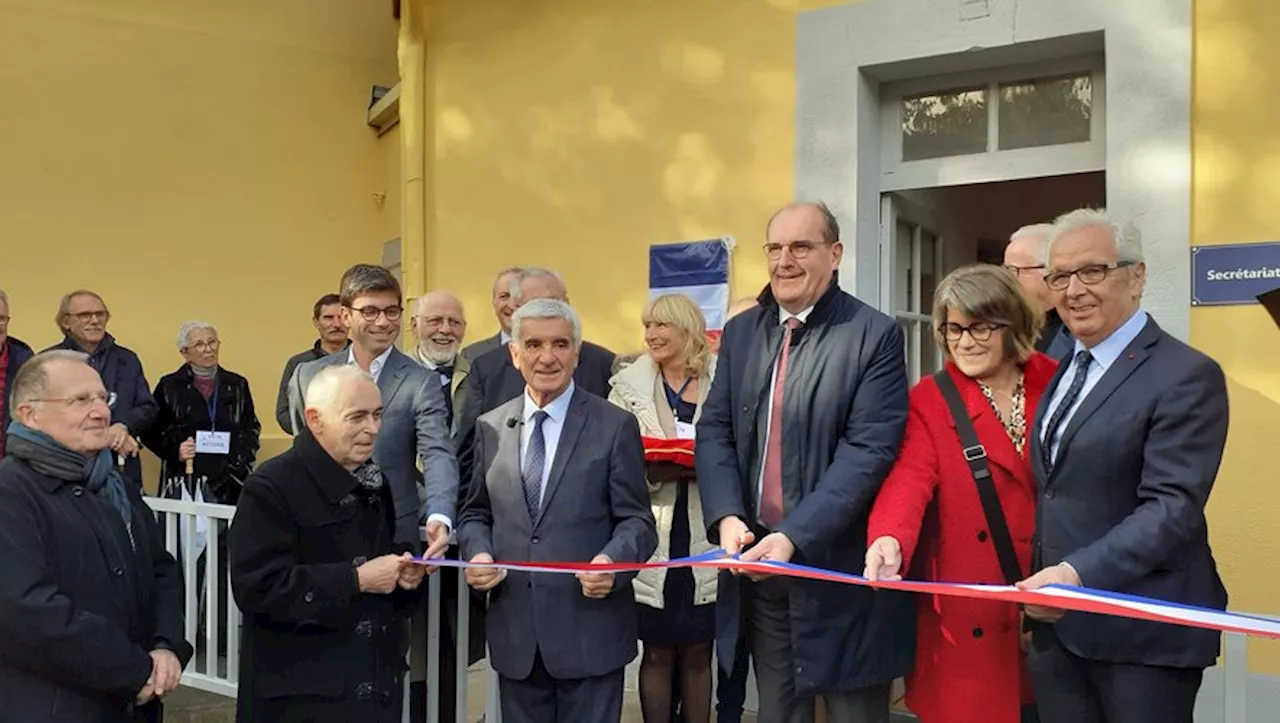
(976, 455)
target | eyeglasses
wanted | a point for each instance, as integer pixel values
(4, 320)
(978, 330)
(371, 313)
(206, 345)
(434, 321)
(1089, 275)
(1017, 270)
(798, 249)
(87, 316)
(82, 402)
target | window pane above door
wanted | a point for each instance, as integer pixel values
(1045, 112)
(937, 125)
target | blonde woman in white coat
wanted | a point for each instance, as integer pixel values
(664, 388)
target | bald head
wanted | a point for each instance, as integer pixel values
(440, 325)
(344, 413)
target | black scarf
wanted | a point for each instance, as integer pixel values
(49, 458)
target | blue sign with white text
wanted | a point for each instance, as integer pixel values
(1233, 274)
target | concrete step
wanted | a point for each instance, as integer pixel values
(188, 705)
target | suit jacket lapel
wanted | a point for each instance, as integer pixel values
(1129, 360)
(392, 376)
(506, 460)
(1038, 460)
(575, 419)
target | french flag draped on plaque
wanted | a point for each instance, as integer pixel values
(697, 269)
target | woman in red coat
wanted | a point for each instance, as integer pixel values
(969, 665)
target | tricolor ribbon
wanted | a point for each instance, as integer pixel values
(1065, 597)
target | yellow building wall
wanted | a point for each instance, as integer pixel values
(574, 133)
(1236, 161)
(191, 160)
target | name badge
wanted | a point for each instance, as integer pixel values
(685, 431)
(213, 442)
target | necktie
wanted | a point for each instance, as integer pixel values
(771, 511)
(1083, 358)
(535, 458)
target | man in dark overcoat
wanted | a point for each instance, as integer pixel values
(91, 604)
(325, 592)
(802, 424)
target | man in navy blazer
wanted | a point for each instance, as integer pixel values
(559, 476)
(1127, 444)
(802, 424)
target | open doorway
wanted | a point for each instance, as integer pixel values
(928, 232)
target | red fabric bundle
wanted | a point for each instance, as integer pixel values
(679, 451)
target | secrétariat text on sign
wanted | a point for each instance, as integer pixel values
(1233, 273)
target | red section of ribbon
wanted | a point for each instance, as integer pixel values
(679, 451)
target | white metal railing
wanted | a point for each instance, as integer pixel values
(195, 534)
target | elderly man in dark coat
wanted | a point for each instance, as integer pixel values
(802, 424)
(324, 591)
(91, 619)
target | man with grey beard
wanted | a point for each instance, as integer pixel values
(440, 324)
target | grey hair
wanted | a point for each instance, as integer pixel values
(184, 332)
(1124, 233)
(830, 226)
(325, 388)
(1040, 233)
(32, 380)
(546, 309)
(533, 272)
(64, 305)
(4, 297)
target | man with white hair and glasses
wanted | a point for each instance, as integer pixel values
(1024, 257)
(1128, 440)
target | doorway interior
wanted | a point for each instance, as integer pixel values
(929, 232)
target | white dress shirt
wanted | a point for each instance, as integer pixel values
(783, 315)
(551, 428)
(1104, 353)
(375, 367)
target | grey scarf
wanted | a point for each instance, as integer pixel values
(369, 475)
(49, 458)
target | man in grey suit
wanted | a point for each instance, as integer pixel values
(502, 310)
(559, 476)
(1125, 450)
(414, 420)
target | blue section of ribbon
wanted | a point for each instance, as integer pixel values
(695, 263)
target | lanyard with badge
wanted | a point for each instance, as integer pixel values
(212, 441)
(684, 430)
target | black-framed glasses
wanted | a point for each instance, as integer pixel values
(1089, 275)
(371, 313)
(979, 330)
(798, 249)
(1017, 270)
